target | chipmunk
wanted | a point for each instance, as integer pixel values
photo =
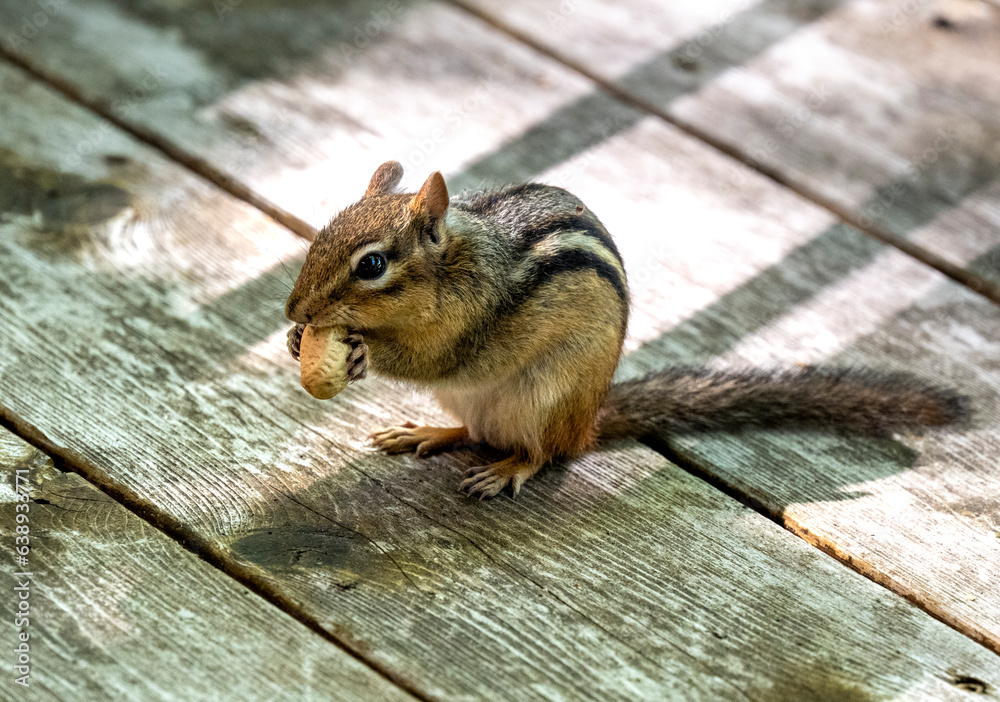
(511, 305)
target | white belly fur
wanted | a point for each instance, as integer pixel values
(506, 414)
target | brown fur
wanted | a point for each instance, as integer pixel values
(511, 306)
(696, 399)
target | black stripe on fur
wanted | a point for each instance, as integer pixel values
(570, 223)
(566, 261)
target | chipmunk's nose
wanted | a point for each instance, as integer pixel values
(294, 311)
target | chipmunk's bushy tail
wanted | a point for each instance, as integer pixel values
(698, 399)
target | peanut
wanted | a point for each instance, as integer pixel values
(323, 356)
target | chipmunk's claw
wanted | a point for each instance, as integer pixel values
(423, 441)
(484, 485)
(295, 340)
(357, 359)
(487, 481)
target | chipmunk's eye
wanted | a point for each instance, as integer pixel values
(371, 266)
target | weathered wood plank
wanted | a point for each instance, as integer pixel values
(286, 120)
(894, 126)
(780, 283)
(133, 312)
(117, 610)
(161, 370)
(889, 112)
(918, 514)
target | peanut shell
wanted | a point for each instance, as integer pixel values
(323, 357)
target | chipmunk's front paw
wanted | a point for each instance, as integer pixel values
(295, 340)
(487, 481)
(421, 440)
(357, 359)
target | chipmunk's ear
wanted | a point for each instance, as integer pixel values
(385, 178)
(430, 203)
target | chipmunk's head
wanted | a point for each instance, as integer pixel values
(376, 266)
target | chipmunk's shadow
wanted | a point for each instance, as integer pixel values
(768, 470)
(798, 466)
(775, 469)
(230, 36)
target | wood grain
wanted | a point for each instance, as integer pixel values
(914, 512)
(141, 344)
(918, 514)
(284, 122)
(886, 112)
(753, 275)
(120, 611)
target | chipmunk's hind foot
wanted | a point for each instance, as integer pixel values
(487, 481)
(423, 441)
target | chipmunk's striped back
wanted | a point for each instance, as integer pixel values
(510, 305)
(544, 232)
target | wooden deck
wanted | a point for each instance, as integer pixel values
(789, 182)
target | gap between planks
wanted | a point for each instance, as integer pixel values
(189, 161)
(239, 190)
(831, 549)
(67, 460)
(987, 289)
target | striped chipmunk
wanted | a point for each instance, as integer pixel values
(510, 306)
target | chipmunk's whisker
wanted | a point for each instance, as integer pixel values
(287, 272)
(286, 286)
